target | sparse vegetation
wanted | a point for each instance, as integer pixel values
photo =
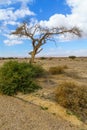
(19, 77)
(73, 97)
(57, 69)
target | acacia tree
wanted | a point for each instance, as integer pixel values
(39, 35)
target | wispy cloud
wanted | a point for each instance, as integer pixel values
(10, 14)
(4, 2)
(9, 2)
(13, 42)
(13, 39)
(61, 52)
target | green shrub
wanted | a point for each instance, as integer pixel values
(72, 57)
(19, 77)
(56, 70)
(37, 71)
(73, 97)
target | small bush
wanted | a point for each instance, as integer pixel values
(57, 70)
(43, 58)
(72, 57)
(19, 77)
(73, 97)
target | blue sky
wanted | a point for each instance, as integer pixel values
(51, 13)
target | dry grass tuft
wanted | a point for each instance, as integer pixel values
(57, 69)
(73, 97)
(65, 66)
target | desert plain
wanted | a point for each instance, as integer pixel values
(40, 110)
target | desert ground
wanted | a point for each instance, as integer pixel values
(39, 110)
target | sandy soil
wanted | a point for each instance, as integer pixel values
(16, 114)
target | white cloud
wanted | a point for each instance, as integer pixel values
(11, 22)
(6, 14)
(10, 17)
(12, 42)
(78, 17)
(9, 2)
(20, 13)
(10, 14)
(13, 39)
(56, 20)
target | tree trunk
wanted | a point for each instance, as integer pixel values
(32, 57)
(34, 52)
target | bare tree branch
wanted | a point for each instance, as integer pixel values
(39, 35)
